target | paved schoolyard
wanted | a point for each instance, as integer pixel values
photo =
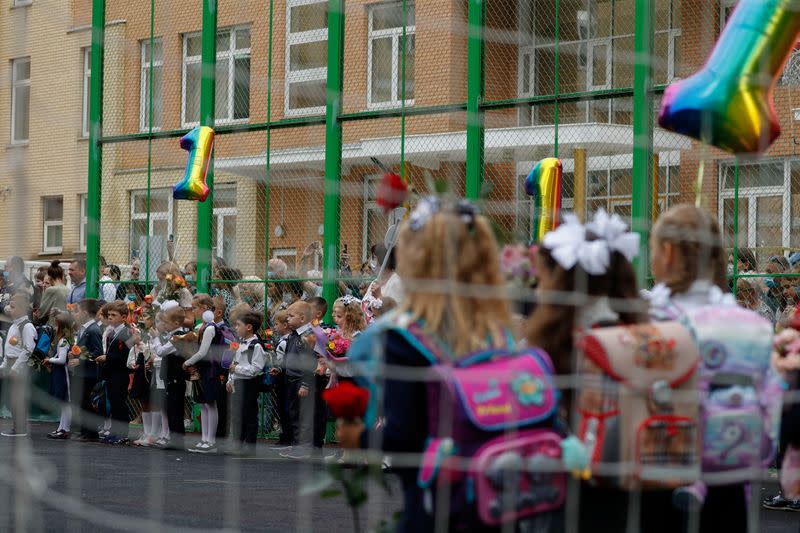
(93, 487)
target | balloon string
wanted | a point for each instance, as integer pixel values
(698, 186)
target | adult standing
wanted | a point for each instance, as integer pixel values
(14, 282)
(388, 285)
(54, 298)
(133, 283)
(77, 273)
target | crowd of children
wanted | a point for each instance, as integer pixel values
(451, 306)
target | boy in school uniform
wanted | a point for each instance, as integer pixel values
(301, 366)
(282, 331)
(115, 369)
(90, 341)
(244, 378)
(319, 308)
(172, 353)
(19, 345)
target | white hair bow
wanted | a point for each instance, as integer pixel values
(569, 246)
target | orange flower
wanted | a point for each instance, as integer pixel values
(168, 277)
(70, 307)
(75, 350)
(131, 306)
(148, 299)
(268, 332)
(234, 346)
(179, 281)
(13, 341)
(315, 322)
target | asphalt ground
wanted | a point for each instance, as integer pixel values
(88, 487)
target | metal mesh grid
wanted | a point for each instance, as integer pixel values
(558, 81)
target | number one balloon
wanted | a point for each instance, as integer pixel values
(544, 185)
(729, 102)
(199, 143)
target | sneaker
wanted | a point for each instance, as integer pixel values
(13, 433)
(297, 453)
(197, 447)
(776, 502)
(208, 448)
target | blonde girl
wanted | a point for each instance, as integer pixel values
(349, 317)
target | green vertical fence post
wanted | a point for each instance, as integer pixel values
(95, 150)
(333, 149)
(643, 131)
(475, 88)
(205, 210)
(267, 167)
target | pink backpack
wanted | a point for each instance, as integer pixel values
(491, 418)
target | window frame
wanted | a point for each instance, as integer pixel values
(144, 86)
(230, 56)
(315, 74)
(87, 82)
(83, 221)
(219, 214)
(15, 85)
(48, 224)
(396, 35)
(168, 215)
(22, 3)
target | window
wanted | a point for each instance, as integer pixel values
(306, 56)
(20, 3)
(386, 52)
(87, 84)
(152, 237)
(84, 221)
(288, 256)
(53, 222)
(156, 67)
(233, 76)
(20, 99)
(223, 234)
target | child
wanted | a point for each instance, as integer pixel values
(158, 411)
(688, 262)
(206, 362)
(382, 306)
(115, 368)
(319, 308)
(19, 345)
(173, 375)
(90, 341)
(243, 382)
(301, 364)
(349, 318)
(139, 360)
(281, 331)
(59, 375)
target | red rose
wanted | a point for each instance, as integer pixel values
(392, 191)
(347, 400)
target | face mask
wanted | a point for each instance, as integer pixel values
(373, 263)
(771, 284)
(730, 269)
(130, 297)
(287, 298)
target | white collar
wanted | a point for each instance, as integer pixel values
(303, 329)
(598, 311)
(248, 340)
(174, 331)
(119, 328)
(20, 320)
(88, 324)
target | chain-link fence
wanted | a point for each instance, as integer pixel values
(420, 84)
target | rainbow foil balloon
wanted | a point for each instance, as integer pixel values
(729, 103)
(544, 185)
(199, 143)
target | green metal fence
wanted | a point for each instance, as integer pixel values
(303, 94)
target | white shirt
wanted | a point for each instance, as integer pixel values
(16, 357)
(205, 345)
(109, 289)
(280, 350)
(155, 343)
(247, 368)
(61, 353)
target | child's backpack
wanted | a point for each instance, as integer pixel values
(491, 420)
(740, 396)
(636, 405)
(265, 380)
(44, 342)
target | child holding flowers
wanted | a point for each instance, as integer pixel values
(350, 322)
(59, 375)
(20, 342)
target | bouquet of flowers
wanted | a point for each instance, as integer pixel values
(517, 264)
(172, 288)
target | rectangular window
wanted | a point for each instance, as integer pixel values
(53, 223)
(306, 56)
(87, 84)
(152, 69)
(84, 222)
(386, 51)
(233, 77)
(20, 99)
(223, 234)
(151, 235)
(20, 3)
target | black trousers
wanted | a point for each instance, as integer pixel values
(81, 398)
(308, 415)
(175, 398)
(244, 410)
(118, 398)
